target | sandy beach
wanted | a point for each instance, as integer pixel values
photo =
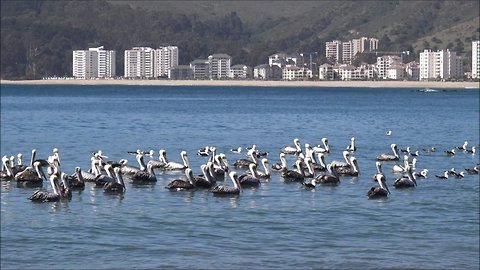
(395, 84)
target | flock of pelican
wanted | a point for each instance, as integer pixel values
(310, 169)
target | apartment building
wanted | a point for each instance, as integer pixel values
(333, 51)
(93, 63)
(180, 72)
(219, 66)
(440, 65)
(364, 44)
(291, 72)
(384, 63)
(412, 71)
(139, 63)
(165, 58)
(200, 69)
(240, 72)
(326, 72)
(476, 59)
(347, 52)
(267, 72)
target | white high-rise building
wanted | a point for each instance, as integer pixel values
(384, 63)
(476, 59)
(347, 52)
(364, 44)
(333, 51)
(219, 66)
(165, 58)
(440, 65)
(94, 63)
(139, 62)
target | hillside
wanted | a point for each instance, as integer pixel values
(37, 37)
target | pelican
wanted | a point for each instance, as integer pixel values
(181, 184)
(388, 133)
(236, 150)
(353, 170)
(115, 187)
(429, 149)
(399, 168)
(473, 170)
(294, 175)
(320, 166)
(310, 173)
(32, 175)
(289, 150)
(389, 157)
(322, 149)
(444, 176)
(228, 190)
(460, 175)
(8, 173)
(329, 179)
(65, 190)
(450, 152)
(265, 175)
(160, 163)
(421, 174)
(77, 181)
(415, 154)
(46, 196)
(407, 150)
(471, 150)
(352, 147)
(203, 151)
(144, 176)
(378, 165)
(309, 185)
(129, 170)
(244, 163)
(205, 181)
(381, 191)
(463, 147)
(174, 166)
(102, 179)
(406, 182)
(248, 180)
(282, 166)
(346, 163)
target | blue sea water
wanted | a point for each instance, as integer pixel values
(277, 225)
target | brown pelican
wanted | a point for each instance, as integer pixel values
(294, 175)
(203, 151)
(76, 181)
(228, 190)
(33, 174)
(463, 147)
(378, 165)
(309, 173)
(473, 170)
(295, 150)
(204, 181)
(322, 149)
(329, 179)
(244, 163)
(65, 191)
(247, 180)
(158, 164)
(265, 174)
(174, 166)
(352, 147)
(381, 191)
(115, 187)
(421, 174)
(353, 170)
(389, 157)
(471, 150)
(102, 179)
(180, 184)
(282, 166)
(450, 152)
(399, 168)
(406, 182)
(444, 176)
(46, 196)
(460, 175)
(130, 170)
(309, 185)
(144, 176)
(8, 173)
(429, 149)
(346, 163)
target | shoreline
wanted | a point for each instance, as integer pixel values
(371, 84)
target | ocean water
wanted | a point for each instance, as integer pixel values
(275, 226)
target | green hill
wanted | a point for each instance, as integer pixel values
(37, 37)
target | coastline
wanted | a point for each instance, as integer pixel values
(372, 84)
